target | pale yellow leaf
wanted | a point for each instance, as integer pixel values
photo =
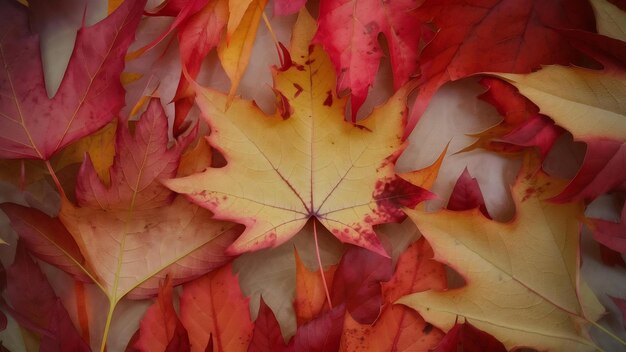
(610, 20)
(588, 103)
(522, 277)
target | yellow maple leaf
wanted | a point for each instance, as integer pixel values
(611, 21)
(523, 284)
(578, 99)
(305, 161)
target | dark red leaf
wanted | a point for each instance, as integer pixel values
(90, 95)
(610, 52)
(357, 283)
(465, 337)
(322, 334)
(466, 195)
(37, 306)
(266, 336)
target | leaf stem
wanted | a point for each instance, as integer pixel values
(608, 332)
(319, 261)
(107, 326)
(55, 178)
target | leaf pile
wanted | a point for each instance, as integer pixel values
(169, 209)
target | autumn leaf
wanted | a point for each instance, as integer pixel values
(99, 145)
(526, 268)
(136, 211)
(35, 305)
(90, 95)
(468, 338)
(348, 31)
(121, 229)
(214, 307)
(266, 336)
(48, 239)
(161, 330)
(576, 102)
(611, 20)
(320, 334)
(399, 328)
(494, 36)
(304, 161)
(466, 195)
(357, 283)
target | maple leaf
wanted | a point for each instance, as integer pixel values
(136, 211)
(495, 36)
(122, 229)
(357, 283)
(32, 125)
(348, 31)
(304, 161)
(577, 101)
(266, 335)
(320, 334)
(212, 307)
(35, 305)
(399, 328)
(610, 18)
(466, 195)
(527, 268)
(161, 330)
(469, 339)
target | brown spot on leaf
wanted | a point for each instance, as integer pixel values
(427, 328)
(299, 89)
(361, 127)
(329, 98)
(283, 106)
(393, 194)
(285, 59)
